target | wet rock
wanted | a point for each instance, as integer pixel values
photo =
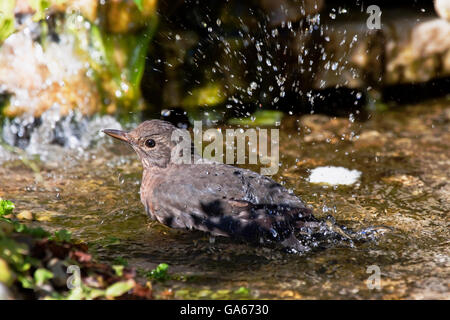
(38, 78)
(290, 294)
(414, 184)
(402, 51)
(46, 215)
(370, 138)
(320, 128)
(444, 194)
(25, 215)
(58, 268)
(442, 8)
(421, 57)
(87, 8)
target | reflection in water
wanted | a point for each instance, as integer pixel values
(404, 186)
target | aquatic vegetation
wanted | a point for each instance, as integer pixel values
(159, 273)
(6, 19)
(38, 264)
(6, 207)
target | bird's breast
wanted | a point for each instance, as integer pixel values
(149, 182)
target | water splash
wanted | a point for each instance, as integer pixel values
(53, 136)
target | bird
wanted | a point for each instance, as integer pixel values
(213, 197)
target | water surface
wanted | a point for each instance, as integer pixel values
(404, 157)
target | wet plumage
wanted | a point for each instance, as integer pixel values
(213, 197)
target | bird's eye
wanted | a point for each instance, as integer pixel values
(150, 143)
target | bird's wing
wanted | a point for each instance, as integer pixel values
(224, 200)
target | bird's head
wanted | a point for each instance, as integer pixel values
(151, 140)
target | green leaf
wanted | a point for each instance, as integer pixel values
(6, 207)
(6, 18)
(40, 6)
(62, 236)
(119, 288)
(138, 4)
(25, 281)
(160, 272)
(242, 290)
(41, 275)
(121, 261)
(118, 269)
(136, 61)
(37, 232)
(111, 241)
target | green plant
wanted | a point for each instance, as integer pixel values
(160, 272)
(61, 236)
(6, 19)
(6, 207)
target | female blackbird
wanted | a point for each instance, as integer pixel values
(213, 197)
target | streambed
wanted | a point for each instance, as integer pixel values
(403, 155)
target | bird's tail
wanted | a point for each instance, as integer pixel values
(321, 233)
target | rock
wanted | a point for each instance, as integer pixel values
(444, 194)
(87, 8)
(423, 56)
(58, 268)
(369, 139)
(442, 8)
(407, 50)
(404, 180)
(37, 78)
(46, 215)
(319, 128)
(25, 215)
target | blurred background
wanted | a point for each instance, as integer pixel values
(215, 61)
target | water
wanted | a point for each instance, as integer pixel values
(404, 158)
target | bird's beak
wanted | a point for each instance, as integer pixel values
(118, 134)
